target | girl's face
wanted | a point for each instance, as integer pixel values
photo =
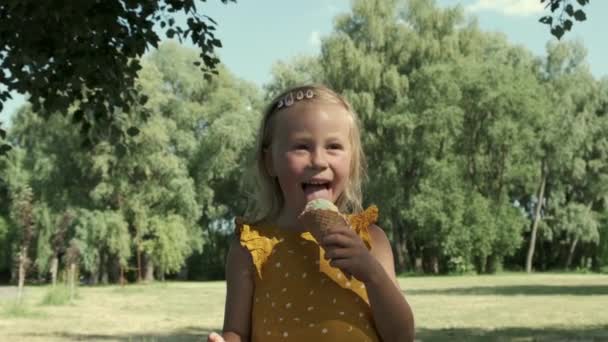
(310, 153)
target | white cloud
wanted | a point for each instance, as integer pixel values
(508, 7)
(334, 7)
(315, 39)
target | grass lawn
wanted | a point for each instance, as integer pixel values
(507, 307)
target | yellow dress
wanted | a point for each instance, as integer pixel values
(298, 296)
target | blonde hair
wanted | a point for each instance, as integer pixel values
(268, 197)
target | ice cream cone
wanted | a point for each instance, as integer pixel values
(321, 215)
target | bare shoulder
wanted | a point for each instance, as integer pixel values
(239, 259)
(381, 249)
(379, 238)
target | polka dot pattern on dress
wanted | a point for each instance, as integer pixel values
(299, 296)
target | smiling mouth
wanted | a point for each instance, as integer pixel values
(313, 186)
(317, 189)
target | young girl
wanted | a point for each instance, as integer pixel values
(282, 284)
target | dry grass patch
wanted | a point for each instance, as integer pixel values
(508, 307)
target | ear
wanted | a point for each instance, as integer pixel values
(268, 162)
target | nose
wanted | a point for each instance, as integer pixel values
(318, 159)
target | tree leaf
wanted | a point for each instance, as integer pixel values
(557, 31)
(580, 15)
(567, 24)
(4, 149)
(546, 20)
(78, 116)
(569, 9)
(133, 131)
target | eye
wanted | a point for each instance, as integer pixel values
(300, 147)
(335, 146)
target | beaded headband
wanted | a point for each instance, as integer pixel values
(290, 99)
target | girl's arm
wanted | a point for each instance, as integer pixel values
(239, 294)
(392, 314)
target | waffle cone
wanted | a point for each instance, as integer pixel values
(318, 221)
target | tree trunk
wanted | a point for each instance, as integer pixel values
(122, 276)
(72, 280)
(571, 253)
(114, 270)
(103, 269)
(435, 264)
(149, 269)
(401, 252)
(139, 277)
(418, 267)
(54, 269)
(492, 263)
(94, 277)
(398, 254)
(22, 266)
(539, 204)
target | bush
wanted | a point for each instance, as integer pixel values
(57, 295)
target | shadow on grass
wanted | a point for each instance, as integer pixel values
(186, 334)
(584, 334)
(579, 334)
(517, 290)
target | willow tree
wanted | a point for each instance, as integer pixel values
(22, 214)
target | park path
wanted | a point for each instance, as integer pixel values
(8, 292)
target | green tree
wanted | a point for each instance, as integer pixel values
(92, 60)
(441, 103)
(563, 138)
(5, 244)
(22, 212)
(102, 241)
(214, 130)
(578, 224)
(54, 158)
(297, 71)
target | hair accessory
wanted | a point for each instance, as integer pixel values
(290, 99)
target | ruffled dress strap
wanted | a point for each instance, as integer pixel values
(252, 238)
(361, 222)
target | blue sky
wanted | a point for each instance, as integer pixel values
(255, 34)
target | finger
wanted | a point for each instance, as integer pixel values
(336, 241)
(337, 253)
(342, 264)
(341, 230)
(214, 337)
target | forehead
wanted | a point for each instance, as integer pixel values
(313, 118)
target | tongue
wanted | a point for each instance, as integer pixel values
(316, 191)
